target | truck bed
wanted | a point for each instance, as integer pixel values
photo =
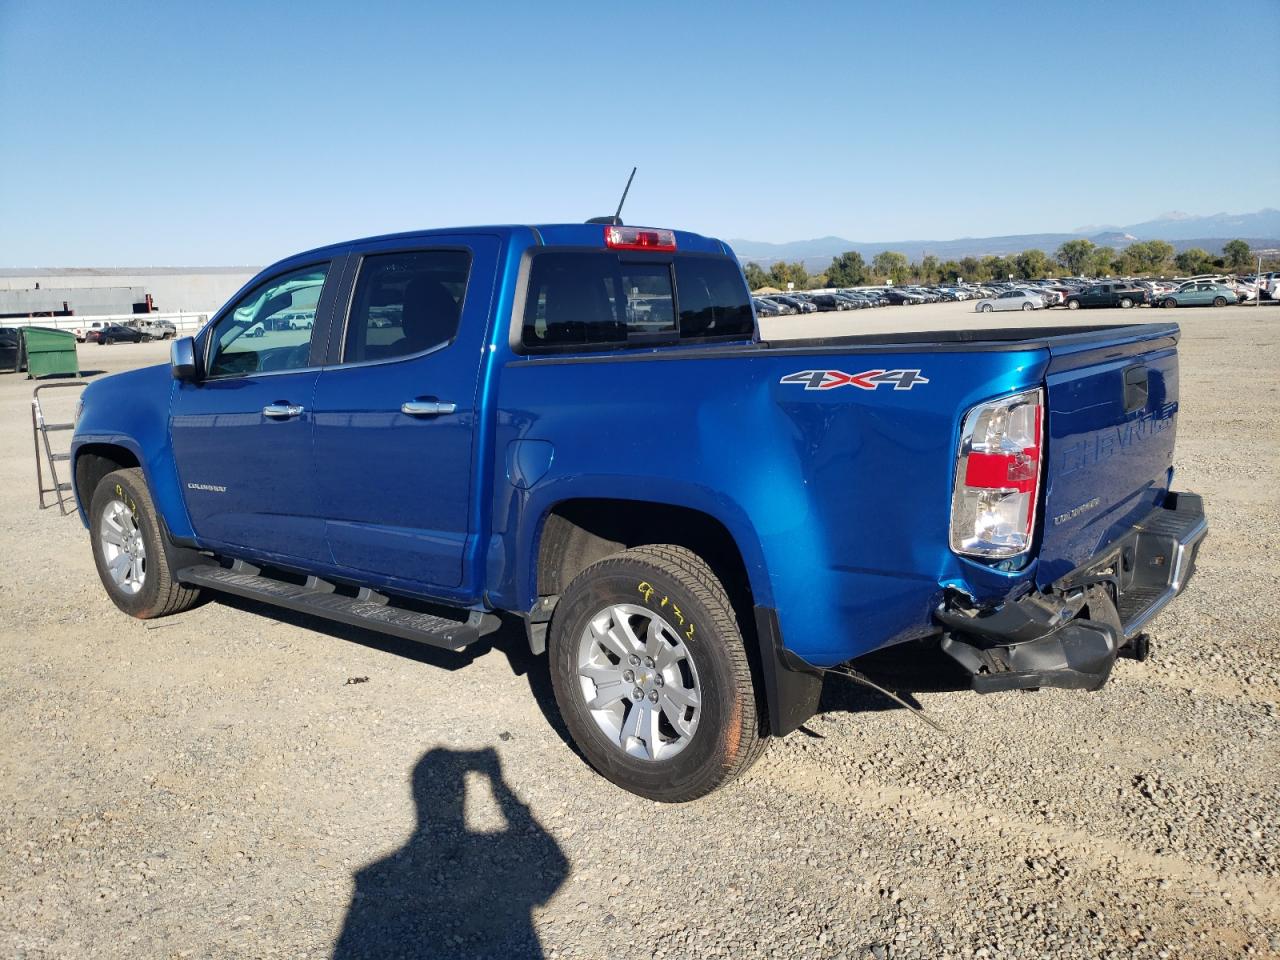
(935, 318)
(1020, 337)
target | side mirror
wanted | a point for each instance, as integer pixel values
(182, 358)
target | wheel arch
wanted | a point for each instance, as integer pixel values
(571, 534)
(92, 461)
(95, 456)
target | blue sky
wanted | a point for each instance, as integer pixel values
(229, 133)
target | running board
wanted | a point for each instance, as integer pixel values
(369, 609)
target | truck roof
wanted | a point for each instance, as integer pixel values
(547, 234)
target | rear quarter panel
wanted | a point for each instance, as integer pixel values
(838, 498)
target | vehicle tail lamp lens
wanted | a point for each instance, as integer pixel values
(639, 238)
(993, 507)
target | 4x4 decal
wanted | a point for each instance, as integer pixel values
(866, 380)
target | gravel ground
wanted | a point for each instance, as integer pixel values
(217, 785)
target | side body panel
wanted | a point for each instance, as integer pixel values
(398, 489)
(838, 497)
(247, 478)
(131, 410)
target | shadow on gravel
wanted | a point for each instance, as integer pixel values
(449, 891)
(509, 640)
(906, 669)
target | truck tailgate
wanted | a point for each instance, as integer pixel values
(1111, 411)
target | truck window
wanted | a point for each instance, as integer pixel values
(270, 328)
(588, 298)
(591, 298)
(405, 303)
(713, 299)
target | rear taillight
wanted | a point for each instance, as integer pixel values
(639, 238)
(993, 507)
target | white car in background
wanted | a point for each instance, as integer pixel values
(1011, 300)
(82, 332)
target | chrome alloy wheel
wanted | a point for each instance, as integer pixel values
(639, 682)
(123, 548)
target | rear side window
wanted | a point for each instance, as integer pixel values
(585, 298)
(588, 298)
(713, 299)
(405, 303)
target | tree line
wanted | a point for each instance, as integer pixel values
(1073, 258)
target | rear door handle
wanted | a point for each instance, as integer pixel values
(427, 408)
(282, 411)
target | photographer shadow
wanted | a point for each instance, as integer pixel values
(451, 891)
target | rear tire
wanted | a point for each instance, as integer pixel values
(1169, 304)
(986, 308)
(1073, 304)
(659, 618)
(1125, 303)
(1028, 306)
(132, 554)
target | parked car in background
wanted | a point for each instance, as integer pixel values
(152, 329)
(796, 304)
(82, 333)
(1123, 295)
(767, 308)
(160, 329)
(1199, 293)
(896, 296)
(1010, 300)
(119, 333)
(12, 354)
(829, 301)
(855, 302)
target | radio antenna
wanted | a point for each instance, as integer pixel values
(616, 219)
(625, 190)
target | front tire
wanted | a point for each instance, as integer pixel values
(1073, 304)
(651, 676)
(1028, 306)
(1125, 303)
(130, 551)
(1169, 304)
(1219, 301)
(987, 308)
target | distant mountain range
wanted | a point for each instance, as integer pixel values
(1260, 229)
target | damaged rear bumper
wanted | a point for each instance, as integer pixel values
(1070, 635)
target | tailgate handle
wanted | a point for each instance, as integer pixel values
(1136, 390)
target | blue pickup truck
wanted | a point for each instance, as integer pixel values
(579, 427)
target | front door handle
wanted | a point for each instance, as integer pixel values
(282, 411)
(427, 408)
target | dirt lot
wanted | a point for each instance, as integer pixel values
(217, 785)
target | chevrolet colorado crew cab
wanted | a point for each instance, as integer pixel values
(580, 428)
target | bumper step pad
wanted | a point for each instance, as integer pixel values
(368, 609)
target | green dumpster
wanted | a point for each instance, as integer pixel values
(50, 352)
